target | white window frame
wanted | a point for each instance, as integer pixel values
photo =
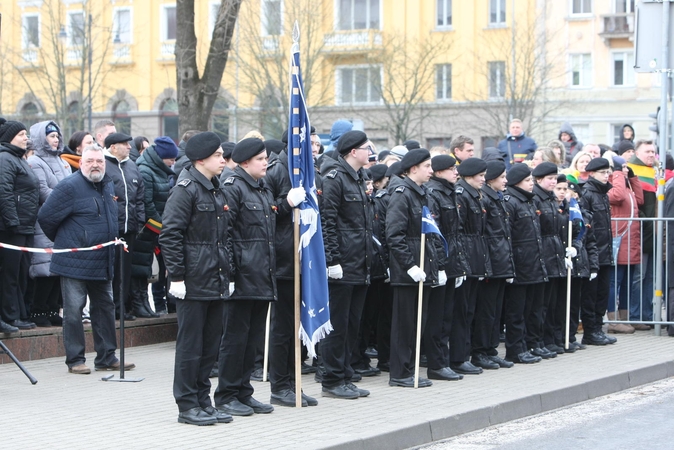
(501, 77)
(583, 84)
(445, 4)
(574, 14)
(115, 24)
(24, 41)
(163, 29)
(628, 6)
(446, 81)
(263, 18)
(628, 72)
(337, 17)
(501, 9)
(69, 28)
(583, 131)
(338, 85)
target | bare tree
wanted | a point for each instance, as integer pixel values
(197, 92)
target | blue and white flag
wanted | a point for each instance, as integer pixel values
(314, 310)
(428, 225)
(576, 214)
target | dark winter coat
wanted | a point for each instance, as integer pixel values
(277, 180)
(574, 145)
(472, 229)
(379, 267)
(251, 237)
(130, 192)
(182, 161)
(194, 237)
(79, 213)
(19, 191)
(497, 234)
(525, 229)
(595, 200)
(381, 200)
(585, 261)
(516, 145)
(551, 226)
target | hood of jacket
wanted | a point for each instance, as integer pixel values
(568, 129)
(622, 133)
(39, 138)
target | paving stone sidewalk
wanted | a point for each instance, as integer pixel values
(82, 412)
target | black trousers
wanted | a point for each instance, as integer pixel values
(574, 316)
(384, 323)
(520, 300)
(404, 328)
(46, 295)
(534, 315)
(555, 318)
(13, 276)
(540, 315)
(439, 325)
(159, 289)
(281, 338)
(121, 283)
(199, 329)
(487, 320)
(594, 300)
(462, 321)
(369, 321)
(242, 335)
(346, 308)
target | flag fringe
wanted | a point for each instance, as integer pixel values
(308, 217)
(310, 342)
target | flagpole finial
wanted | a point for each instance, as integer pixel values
(296, 33)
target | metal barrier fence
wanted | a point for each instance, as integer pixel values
(640, 290)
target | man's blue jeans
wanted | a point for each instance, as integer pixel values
(641, 302)
(102, 313)
(621, 285)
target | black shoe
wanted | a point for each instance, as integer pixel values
(501, 362)
(40, 320)
(594, 339)
(609, 339)
(525, 358)
(354, 388)
(310, 400)
(320, 372)
(256, 375)
(258, 407)
(445, 373)
(466, 368)
(481, 360)
(384, 367)
(340, 391)
(371, 352)
(127, 316)
(554, 348)
(368, 372)
(220, 416)
(409, 382)
(7, 328)
(286, 397)
(55, 319)
(356, 377)
(423, 361)
(306, 369)
(543, 353)
(572, 348)
(144, 313)
(236, 408)
(196, 416)
(22, 324)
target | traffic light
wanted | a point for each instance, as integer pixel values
(655, 128)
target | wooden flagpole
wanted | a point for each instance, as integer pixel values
(298, 345)
(419, 311)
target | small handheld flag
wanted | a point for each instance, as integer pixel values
(576, 214)
(428, 225)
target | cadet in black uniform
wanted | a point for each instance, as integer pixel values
(403, 236)
(347, 236)
(441, 301)
(253, 283)
(194, 244)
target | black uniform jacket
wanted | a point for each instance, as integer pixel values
(471, 229)
(497, 234)
(525, 230)
(595, 200)
(551, 228)
(403, 235)
(194, 236)
(252, 222)
(278, 182)
(443, 206)
(378, 270)
(347, 223)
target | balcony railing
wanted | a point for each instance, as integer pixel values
(352, 40)
(30, 55)
(168, 49)
(617, 26)
(121, 51)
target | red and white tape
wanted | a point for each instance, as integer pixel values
(65, 250)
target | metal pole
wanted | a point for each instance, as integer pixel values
(513, 80)
(662, 125)
(89, 59)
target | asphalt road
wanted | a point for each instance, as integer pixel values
(636, 418)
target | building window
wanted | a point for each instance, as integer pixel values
(272, 17)
(76, 33)
(443, 82)
(358, 14)
(497, 9)
(120, 115)
(444, 13)
(581, 70)
(30, 31)
(624, 6)
(358, 85)
(30, 114)
(439, 142)
(489, 141)
(121, 25)
(582, 131)
(169, 119)
(581, 6)
(220, 119)
(74, 122)
(497, 81)
(623, 72)
(168, 24)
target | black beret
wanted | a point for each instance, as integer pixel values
(274, 146)
(313, 130)
(202, 145)
(442, 162)
(227, 149)
(575, 187)
(597, 164)
(116, 138)
(414, 157)
(544, 169)
(367, 175)
(284, 136)
(394, 170)
(624, 146)
(561, 178)
(517, 173)
(378, 171)
(383, 154)
(412, 144)
(350, 140)
(471, 167)
(494, 169)
(246, 149)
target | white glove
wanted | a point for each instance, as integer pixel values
(480, 279)
(417, 274)
(231, 288)
(442, 278)
(177, 289)
(571, 252)
(296, 196)
(593, 276)
(388, 276)
(509, 280)
(335, 272)
(459, 281)
(568, 263)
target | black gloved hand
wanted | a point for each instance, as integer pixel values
(630, 172)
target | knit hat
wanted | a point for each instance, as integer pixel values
(471, 167)
(517, 173)
(227, 149)
(9, 129)
(350, 140)
(618, 162)
(624, 146)
(246, 149)
(378, 171)
(338, 129)
(51, 128)
(399, 150)
(165, 147)
(414, 157)
(202, 145)
(442, 162)
(597, 164)
(544, 169)
(494, 169)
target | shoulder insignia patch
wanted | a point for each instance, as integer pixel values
(506, 197)
(184, 183)
(400, 189)
(229, 180)
(381, 193)
(332, 174)
(459, 190)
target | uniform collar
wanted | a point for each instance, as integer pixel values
(421, 190)
(468, 188)
(241, 173)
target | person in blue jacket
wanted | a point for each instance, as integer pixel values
(516, 146)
